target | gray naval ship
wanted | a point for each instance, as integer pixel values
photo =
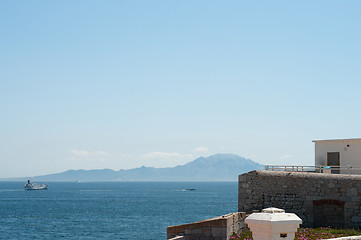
(35, 186)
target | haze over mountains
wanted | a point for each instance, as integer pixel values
(218, 167)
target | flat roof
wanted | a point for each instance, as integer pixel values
(339, 140)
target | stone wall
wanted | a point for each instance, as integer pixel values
(219, 228)
(319, 199)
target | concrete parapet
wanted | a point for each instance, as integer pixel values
(219, 228)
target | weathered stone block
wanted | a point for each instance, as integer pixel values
(219, 232)
(192, 237)
(351, 191)
(356, 219)
(355, 199)
(311, 198)
(220, 238)
(187, 231)
(197, 231)
(206, 232)
(205, 238)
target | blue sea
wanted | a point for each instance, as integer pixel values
(109, 210)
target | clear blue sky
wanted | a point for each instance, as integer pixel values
(121, 84)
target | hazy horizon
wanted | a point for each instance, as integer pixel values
(123, 168)
(122, 84)
(218, 167)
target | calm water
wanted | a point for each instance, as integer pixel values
(117, 210)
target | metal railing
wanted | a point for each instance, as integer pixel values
(317, 169)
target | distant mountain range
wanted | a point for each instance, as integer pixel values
(218, 167)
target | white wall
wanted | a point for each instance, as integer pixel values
(348, 155)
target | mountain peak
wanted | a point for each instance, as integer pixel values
(217, 167)
(225, 158)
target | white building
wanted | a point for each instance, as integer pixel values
(345, 153)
